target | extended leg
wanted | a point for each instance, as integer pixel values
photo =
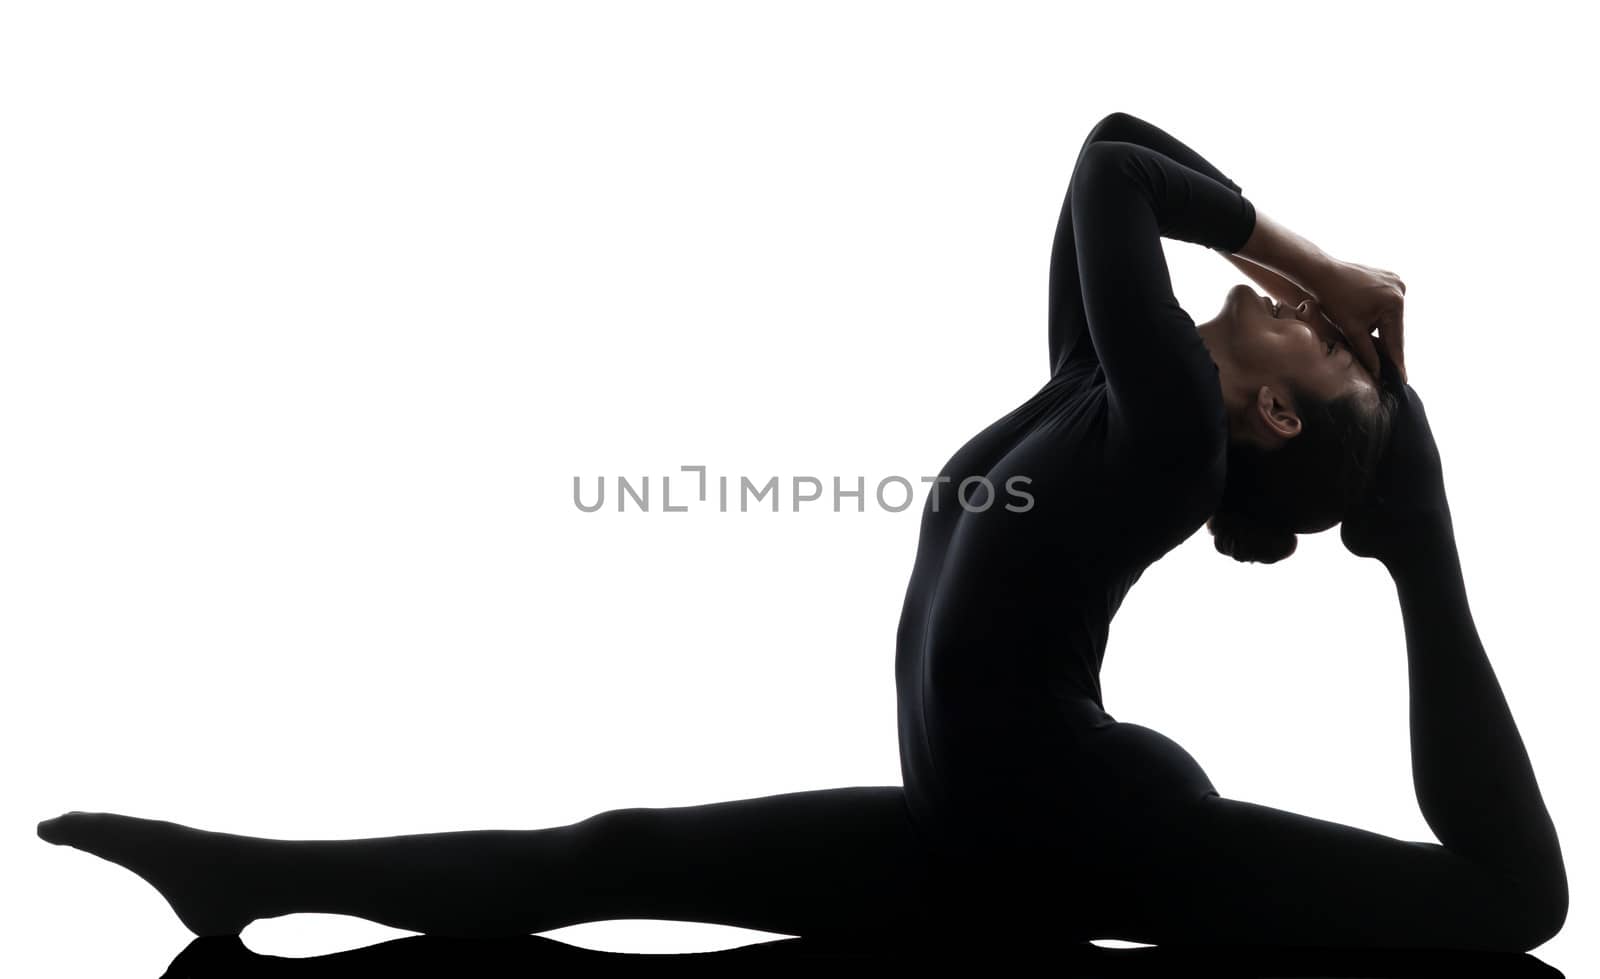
(842, 861)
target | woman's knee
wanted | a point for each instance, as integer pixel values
(615, 834)
(1539, 912)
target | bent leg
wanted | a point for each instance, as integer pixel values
(1226, 872)
(1221, 870)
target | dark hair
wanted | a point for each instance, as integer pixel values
(1306, 484)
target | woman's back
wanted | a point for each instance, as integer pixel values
(1004, 739)
(1016, 579)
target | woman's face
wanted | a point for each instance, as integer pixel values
(1257, 342)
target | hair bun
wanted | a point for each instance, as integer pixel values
(1244, 539)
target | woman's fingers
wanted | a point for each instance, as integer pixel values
(1361, 343)
(1394, 343)
(1366, 349)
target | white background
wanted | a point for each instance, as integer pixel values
(312, 312)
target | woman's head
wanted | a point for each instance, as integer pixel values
(1307, 424)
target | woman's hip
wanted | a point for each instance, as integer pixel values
(1034, 790)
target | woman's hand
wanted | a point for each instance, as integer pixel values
(1404, 512)
(1359, 299)
(1356, 298)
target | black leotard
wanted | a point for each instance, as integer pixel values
(1024, 805)
(1010, 763)
(1007, 614)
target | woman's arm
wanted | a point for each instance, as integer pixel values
(1275, 285)
(1067, 315)
(1290, 260)
(1269, 242)
(1123, 199)
(1355, 298)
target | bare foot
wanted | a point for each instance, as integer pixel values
(216, 882)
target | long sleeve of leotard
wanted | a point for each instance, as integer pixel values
(1125, 197)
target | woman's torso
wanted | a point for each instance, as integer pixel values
(1007, 613)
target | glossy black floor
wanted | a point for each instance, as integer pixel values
(467, 958)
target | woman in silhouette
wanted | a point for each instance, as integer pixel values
(1025, 805)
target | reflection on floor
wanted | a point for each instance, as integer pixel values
(533, 955)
